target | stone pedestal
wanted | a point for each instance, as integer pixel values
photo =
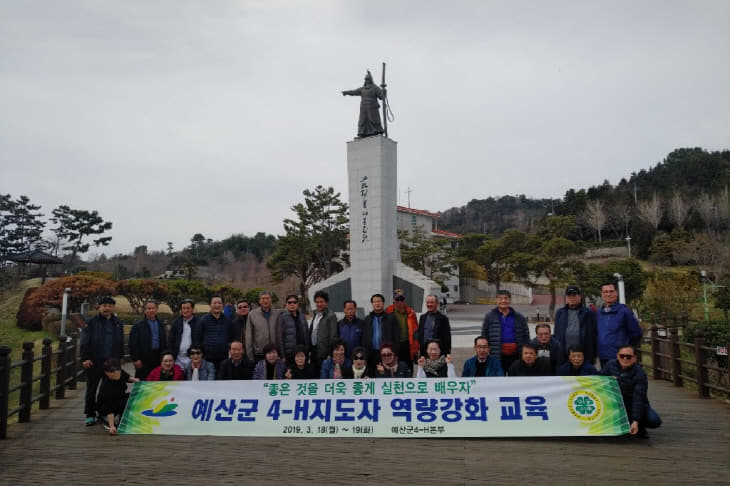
(372, 169)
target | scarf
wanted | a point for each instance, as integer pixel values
(359, 372)
(432, 367)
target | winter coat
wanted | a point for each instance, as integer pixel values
(492, 330)
(412, 321)
(260, 331)
(259, 372)
(176, 333)
(557, 355)
(206, 372)
(494, 367)
(389, 331)
(441, 331)
(226, 370)
(92, 340)
(588, 331)
(177, 374)
(140, 342)
(328, 369)
(540, 368)
(326, 333)
(617, 327)
(567, 369)
(212, 334)
(634, 386)
(286, 332)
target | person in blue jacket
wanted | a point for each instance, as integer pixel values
(617, 325)
(576, 364)
(482, 364)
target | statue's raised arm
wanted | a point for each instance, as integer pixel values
(369, 122)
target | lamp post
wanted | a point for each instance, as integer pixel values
(621, 288)
(64, 310)
(705, 286)
(628, 242)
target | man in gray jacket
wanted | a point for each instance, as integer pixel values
(261, 328)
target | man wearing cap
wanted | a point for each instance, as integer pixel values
(102, 338)
(575, 324)
(408, 325)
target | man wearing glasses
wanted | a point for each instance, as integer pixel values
(617, 325)
(291, 330)
(239, 322)
(482, 364)
(634, 385)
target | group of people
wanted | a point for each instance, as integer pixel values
(273, 344)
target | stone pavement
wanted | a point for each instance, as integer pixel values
(690, 448)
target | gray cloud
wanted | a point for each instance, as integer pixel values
(172, 118)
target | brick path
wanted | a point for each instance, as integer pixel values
(690, 448)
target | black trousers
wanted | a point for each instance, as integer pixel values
(93, 377)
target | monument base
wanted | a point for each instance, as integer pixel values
(415, 285)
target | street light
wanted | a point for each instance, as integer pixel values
(705, 285)
(621, 288)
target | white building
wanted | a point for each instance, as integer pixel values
(409, 218)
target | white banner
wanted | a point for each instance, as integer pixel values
(459, 407)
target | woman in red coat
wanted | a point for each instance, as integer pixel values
(168, 370)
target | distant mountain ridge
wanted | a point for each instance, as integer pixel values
(691, 171)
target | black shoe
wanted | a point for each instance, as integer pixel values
(643, 434)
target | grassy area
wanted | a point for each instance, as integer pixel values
(10, 334)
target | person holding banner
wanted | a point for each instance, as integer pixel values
(482, 364)
(271, 367)
(168, 370)
(112, 398)
(436, 365)
(301, 369)
(390, 366)
(337, 365)
(634, 386)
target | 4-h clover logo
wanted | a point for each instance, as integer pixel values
(585, 405)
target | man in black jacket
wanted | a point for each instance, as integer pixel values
(634, 386)
(576, 324)
(146, 339)
(378, 328)
(182, 330)
(434, 325)
(214, 332)
(237, 366)
(548, 347)
(102, 338)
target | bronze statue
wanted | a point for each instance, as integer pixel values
(369, 122)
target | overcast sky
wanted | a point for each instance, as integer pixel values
(177, 117)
